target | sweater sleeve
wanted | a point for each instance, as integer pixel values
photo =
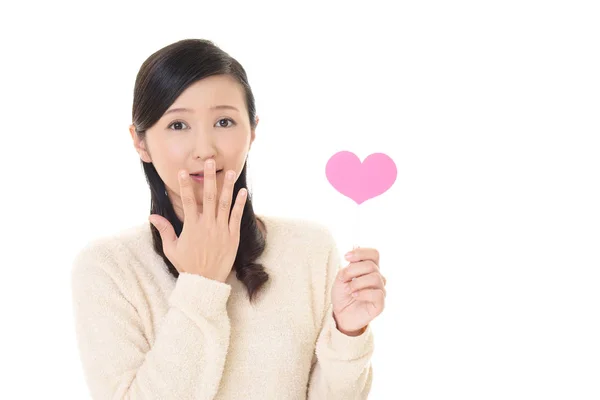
(187, 357)
(341, 366)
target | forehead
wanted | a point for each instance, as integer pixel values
(217, 89)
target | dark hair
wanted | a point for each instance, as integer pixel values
(160, 80)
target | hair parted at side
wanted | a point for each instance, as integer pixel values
(160, 80)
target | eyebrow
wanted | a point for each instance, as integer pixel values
(221, 107)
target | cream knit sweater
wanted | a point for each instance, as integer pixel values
(142, 334)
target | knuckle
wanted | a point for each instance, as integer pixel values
(371, 279)
(224, 204)
(210, 196)
(346, 274)
(377, 277)
(188, 200)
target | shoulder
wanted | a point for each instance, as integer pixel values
(293, 229)
(106, 254)
(300, 240)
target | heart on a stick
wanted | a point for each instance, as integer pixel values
(361, 181)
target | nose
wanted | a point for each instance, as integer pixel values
(204, 145)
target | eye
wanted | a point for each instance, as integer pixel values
(178, 123)
(219, 123)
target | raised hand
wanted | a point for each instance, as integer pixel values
(209, 240)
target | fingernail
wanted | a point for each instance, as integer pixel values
(348, 255)
(210, 163)
(230, 174)
(183, 174)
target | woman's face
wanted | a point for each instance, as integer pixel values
(216, 126)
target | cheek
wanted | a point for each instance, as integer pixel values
(168, 158)
(176, 153)
(172, 152)
(235, 148)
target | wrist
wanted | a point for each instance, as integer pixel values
(352, 333)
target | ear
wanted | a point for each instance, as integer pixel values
(140, 145)
(253, 134)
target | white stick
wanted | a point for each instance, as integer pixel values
(356, 227)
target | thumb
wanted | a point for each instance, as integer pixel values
(166, 231)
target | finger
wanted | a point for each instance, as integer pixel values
(375, 296)
(356, 269)
(235, 221)
(188, 199)
(210, 190)
(166, 231)
(373, 280)
(226, 199)
(363, 254)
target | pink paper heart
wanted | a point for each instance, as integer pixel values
(361, 182)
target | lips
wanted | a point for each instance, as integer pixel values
(201, 174)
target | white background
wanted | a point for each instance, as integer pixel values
(489, 239)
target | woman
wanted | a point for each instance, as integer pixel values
(160, 313)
